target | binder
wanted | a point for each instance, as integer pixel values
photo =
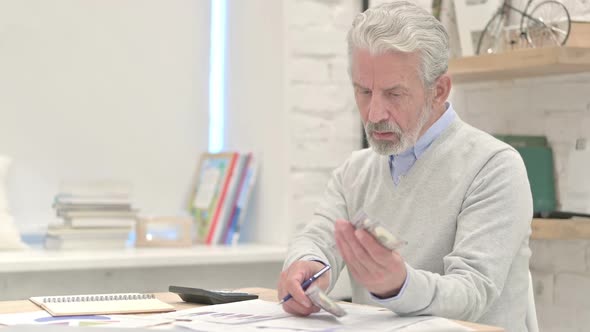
(101, 304)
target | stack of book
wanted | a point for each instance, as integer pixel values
(91, 220)
(221, 195)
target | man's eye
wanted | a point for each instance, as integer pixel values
(392, 94)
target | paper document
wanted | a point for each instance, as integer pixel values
(201, 326)
(242, 312)
(35, 317)
(358, 318)
(259, 314)
(250, 316)
(43, 318)
(436, 325)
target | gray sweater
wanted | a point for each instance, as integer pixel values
(465, 208)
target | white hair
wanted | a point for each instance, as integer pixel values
(402, 26)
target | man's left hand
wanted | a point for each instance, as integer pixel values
(380, 270)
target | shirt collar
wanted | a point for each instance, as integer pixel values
(431, 134)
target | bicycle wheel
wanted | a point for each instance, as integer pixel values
(529, 4)
(491, 39)
(548, 24)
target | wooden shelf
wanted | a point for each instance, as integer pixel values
(521, 63)
(561, 229)
(56, 260)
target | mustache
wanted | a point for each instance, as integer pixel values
(383, 126)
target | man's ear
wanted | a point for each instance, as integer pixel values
(442, 89)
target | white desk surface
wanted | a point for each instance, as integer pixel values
(55, 260)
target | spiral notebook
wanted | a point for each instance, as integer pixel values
(101, 304)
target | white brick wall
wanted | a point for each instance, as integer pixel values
(569, 290)
(562, 256)
(325, 126)
(320, 97)
(561, 279)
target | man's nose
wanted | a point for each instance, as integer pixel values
(377, 111)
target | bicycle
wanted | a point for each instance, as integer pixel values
(547, 21)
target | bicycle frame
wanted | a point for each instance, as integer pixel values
(506, 5)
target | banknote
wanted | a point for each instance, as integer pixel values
(378, 230)
(322, 300)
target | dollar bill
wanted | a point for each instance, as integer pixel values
(378, 230)
(322, 300)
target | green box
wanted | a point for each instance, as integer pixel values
(538, 160)
(540, 170)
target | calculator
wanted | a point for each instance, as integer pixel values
(204, 296)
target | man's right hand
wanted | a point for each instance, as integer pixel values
(290, 283)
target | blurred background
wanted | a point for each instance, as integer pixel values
(133, 92)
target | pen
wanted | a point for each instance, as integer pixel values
(306, 283)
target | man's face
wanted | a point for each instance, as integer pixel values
(391, 99)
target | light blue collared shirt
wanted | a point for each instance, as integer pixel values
(400, 164)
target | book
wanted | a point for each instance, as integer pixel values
(239, 215)
(101, 304)
(97, 213)
(87, 233)
(62, 237)
(217, 235)
(94, 187)
(208, 194)
(63, 207)
(93, 200)
(235, 209)
(58, 243)
(222, 200)
(97, 222)
(220, 196)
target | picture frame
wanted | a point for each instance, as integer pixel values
(164, 232)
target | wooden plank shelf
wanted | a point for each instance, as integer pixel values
(520, 63)
(560, 229)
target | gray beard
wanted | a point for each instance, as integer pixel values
(405, 140)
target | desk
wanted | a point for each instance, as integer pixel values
(264, 293)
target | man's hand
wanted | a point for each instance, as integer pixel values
(290, 283)
(380, 270)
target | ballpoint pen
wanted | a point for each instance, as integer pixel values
(307, 283)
